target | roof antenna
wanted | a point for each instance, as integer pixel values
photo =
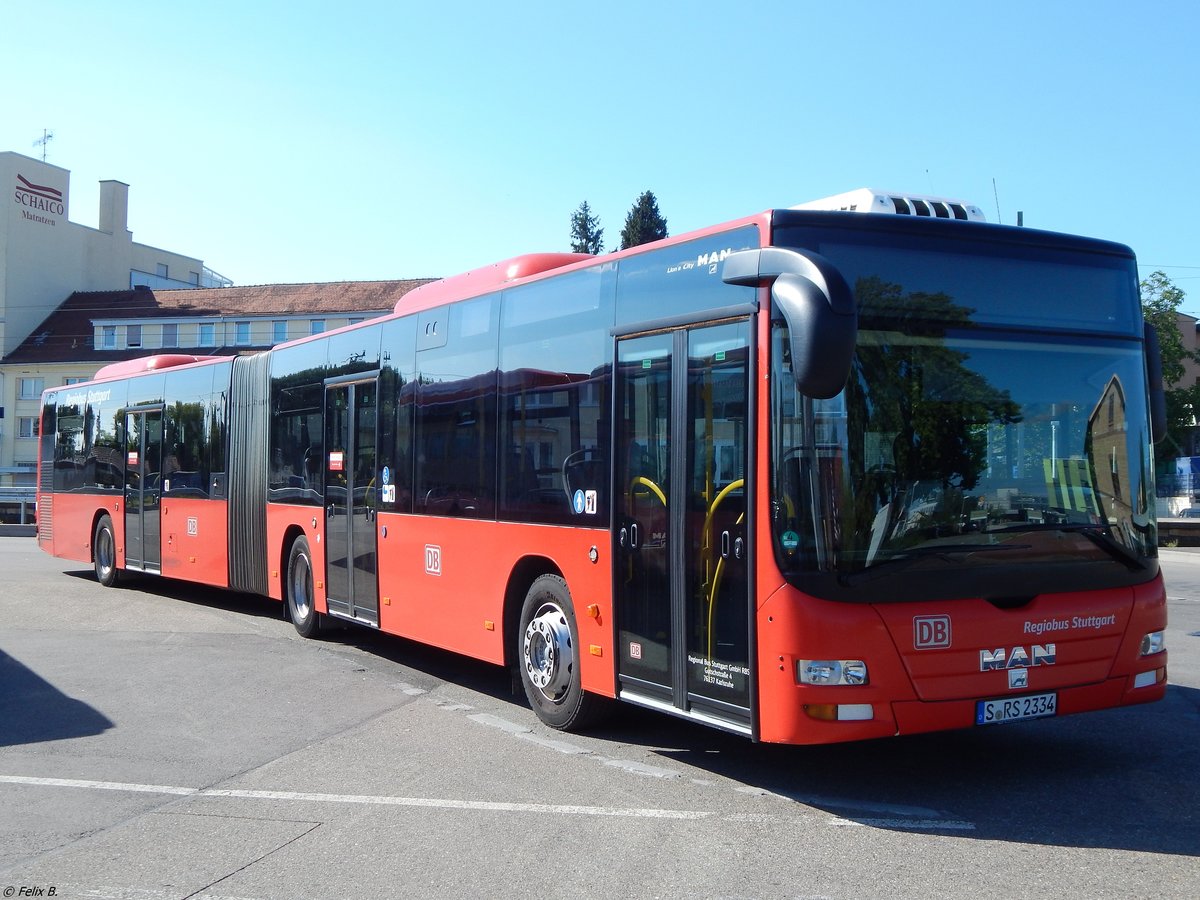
(996, 193)
(46, 137)
(930, 179)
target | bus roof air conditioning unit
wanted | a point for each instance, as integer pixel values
(873, 201)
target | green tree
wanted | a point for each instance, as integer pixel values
(586, 234)
(1161, 301)
(644, 223)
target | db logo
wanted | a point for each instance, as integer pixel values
(433, 559)
(931, 632)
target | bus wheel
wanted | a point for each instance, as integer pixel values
(299, 589)
(548, 657)
(104, 552)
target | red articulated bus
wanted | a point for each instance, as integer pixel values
(815, 475)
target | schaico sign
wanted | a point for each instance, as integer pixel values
(37, 200)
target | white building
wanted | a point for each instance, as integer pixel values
(45, 257)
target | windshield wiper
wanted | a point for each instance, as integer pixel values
(1097, 534)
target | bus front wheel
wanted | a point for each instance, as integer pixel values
(104, 552)
(304, 615)
(548, 657)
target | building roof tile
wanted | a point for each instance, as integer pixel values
(67, 334)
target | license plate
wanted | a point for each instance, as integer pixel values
(1013, 709)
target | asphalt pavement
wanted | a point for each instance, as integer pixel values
(162, 741)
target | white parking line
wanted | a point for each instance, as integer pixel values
(424, 802)
(98, 785)
(891, 809)
(497, 722)
(924, 824)
(558, 746)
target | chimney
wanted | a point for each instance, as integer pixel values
(114, 207)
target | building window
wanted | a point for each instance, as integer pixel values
(242, 333)
(170, 335)
(133, 335)
(208, 335)
(161, 270)
(74, 380)
(110, 337)
(354, 320)
(316, 326)
(27, 427)
(29, 388)
(194, 278)
(280, 331)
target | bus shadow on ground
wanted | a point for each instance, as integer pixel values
(32, 710)
(1121, 779)
(189, 592)
(1118, 779)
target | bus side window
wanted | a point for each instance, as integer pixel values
(296, 449)
(456, 415)
(554, 349)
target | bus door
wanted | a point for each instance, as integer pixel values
(681, 523)
(351, 581)
(143, 489)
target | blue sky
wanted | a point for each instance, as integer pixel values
(291, 142)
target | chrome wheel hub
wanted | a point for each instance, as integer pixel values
(549, 656)
(301, 588)
(105, 556)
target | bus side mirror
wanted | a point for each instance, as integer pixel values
(1154, 379)
(818, 306)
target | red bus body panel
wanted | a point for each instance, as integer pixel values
(461, 607)
(306, 520)
(443, 582)
(195, 540)
(73, 517)
(911, 690)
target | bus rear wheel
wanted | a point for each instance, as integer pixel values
(548, 658)
(299, 590)
(104, 552)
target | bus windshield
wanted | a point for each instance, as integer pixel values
(980, 448)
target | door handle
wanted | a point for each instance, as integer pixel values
(633, 536)
(724, 545)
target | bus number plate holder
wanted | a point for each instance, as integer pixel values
(1014, 709)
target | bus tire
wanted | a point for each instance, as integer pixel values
(548, 658)
(299, 590)
(104, 552)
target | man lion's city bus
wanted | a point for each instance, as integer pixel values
(867, 467)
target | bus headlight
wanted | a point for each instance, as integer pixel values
(1153, 643)
(831, 671)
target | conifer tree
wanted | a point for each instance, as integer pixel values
(586, 234)
(644, 223)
